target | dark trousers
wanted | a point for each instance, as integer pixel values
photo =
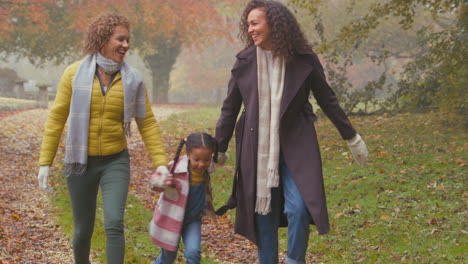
(112, 174)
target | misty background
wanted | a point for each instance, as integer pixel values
(379, 56)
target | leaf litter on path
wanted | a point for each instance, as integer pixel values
(28, 233)
(28, 229)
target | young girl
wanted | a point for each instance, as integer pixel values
(186, 195)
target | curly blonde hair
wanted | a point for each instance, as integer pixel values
(287, 38)
(101, 29)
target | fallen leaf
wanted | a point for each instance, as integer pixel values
(385, 216)
(15, 217)
(338, 215)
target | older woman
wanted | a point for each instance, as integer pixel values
(278, 160)
(100, 95)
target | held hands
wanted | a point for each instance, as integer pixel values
(161, 178)
(43, 176)
(222, 157)
(358, 149)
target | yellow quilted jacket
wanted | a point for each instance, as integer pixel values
(106, 133)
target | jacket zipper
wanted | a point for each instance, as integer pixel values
(101, 118)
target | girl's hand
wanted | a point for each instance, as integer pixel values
(169, 181)
(222, 157)
(172, 188)
(159, 177)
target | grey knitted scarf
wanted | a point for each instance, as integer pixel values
(76, 149)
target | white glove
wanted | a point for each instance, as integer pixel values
(358, 149)
(159, 177)
(43, 176)
(222, 157)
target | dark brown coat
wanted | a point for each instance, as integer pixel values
(298, 138)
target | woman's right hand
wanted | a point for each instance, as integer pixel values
(43, 177)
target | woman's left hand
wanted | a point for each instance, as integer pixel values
(358, 149)
(160, 177)
(222, 157)
(170, 181)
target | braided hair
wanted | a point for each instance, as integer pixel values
(196, 140)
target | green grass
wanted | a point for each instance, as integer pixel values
(407, 206)
(9, 104)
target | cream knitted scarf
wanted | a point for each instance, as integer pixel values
(270, 72)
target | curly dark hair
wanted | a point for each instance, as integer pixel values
(101, 29)
(287, 38)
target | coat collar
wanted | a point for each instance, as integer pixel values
(296, 73)
(182, 165)
(245, 57)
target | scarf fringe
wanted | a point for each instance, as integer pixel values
(127, 129)
(273, 178)
(128, 126)
(262, 205)
(74, 169)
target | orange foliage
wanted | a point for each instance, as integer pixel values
(187, 21)
(35, 13)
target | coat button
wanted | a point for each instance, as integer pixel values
(251, 129)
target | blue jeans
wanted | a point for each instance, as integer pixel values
(191, 229)
(298, 223)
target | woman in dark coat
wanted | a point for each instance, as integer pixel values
(279, 172)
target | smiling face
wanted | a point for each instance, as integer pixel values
(117, 45)
(200, 159)
(259, 29)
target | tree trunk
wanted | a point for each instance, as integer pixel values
(20, 90)
(43, 96)
(160, 64)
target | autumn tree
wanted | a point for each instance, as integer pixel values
(52, 30)
(202, 75)
(162, 28)
(38, 30)
(425, 37)
(350, 71)
(436, 74)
